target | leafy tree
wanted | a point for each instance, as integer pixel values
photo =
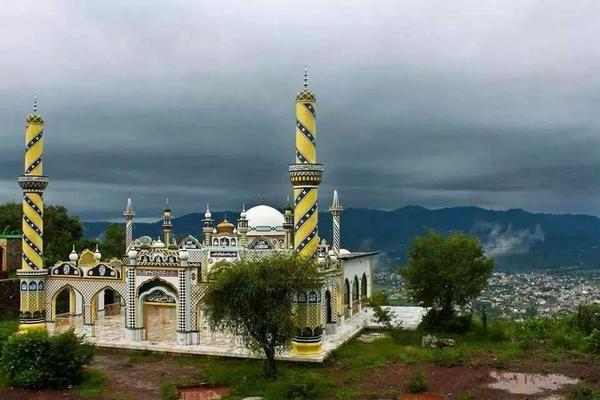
(253, 299)
(61, 231)
(10, 217)
(445, 271)
(113, 244)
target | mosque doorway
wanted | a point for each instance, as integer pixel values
(160, 322)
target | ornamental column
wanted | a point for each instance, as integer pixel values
(32, 273)
(207, 227)
(129, 213)
(167, 225)
(336, 212)
(305, 176)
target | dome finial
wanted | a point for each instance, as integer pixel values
(35, 104)
(305, 77)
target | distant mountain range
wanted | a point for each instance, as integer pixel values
(519, 240)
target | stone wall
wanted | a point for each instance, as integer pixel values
(9, 298)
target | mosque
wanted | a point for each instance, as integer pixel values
(153, 294)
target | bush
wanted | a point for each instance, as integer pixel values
(36, 360)
(588, 318)
(498, 331)
(435, 321)
(298, 386)
(582, 392)
(594, 342)
(417, 383)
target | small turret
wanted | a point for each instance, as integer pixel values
(207, 226)
(288, 224)
(243, 227)
(336, 212)
(128, 214)
(167, 225)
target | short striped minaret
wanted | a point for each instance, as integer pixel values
(129, 213)
(32, 273)
(336, 212)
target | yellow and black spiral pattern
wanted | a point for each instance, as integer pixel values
(33, 203)
(305, 188)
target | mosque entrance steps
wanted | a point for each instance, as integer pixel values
(110, 332)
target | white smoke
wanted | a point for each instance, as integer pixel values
(497, 241)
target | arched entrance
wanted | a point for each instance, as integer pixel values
(66, 307)
(363, 288)
(328, 308)
(159, 305)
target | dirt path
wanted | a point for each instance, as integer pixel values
(141, 380)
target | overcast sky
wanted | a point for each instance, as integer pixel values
(436, 103)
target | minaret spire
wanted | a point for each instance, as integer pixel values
(35, 103)
(305, 77)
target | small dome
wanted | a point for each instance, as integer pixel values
(225, 227)
(184, 255)
(97, 254)
(132, 253)
(264, 220)
(73, 256)
(158, 244)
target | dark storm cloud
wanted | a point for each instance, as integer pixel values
(434, 103)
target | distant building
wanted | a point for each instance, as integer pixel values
(10, 253)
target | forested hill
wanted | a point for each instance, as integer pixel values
(516, 238)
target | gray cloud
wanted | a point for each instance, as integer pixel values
(420, 102)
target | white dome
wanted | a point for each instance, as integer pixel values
(264, 220)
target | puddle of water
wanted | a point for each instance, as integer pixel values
(203, 393)
(519, 383)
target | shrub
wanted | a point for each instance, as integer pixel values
(435, 321)
(417, 383)
(298, 386)
(594, 342)
(582, 392)
(498, 331)
(449, 357)
(588, 317)
(36, 360)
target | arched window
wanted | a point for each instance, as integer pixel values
(363, 286)
(355, 288)
(301, 297)
(347, 292)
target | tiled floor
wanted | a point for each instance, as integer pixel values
(110, 332)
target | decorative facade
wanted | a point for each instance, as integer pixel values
(154, 292)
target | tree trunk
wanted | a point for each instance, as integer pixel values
(270, 368)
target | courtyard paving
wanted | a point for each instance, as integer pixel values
(110, 332)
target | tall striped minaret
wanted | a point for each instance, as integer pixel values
(32, 273)
(306, 174)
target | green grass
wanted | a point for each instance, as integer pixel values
(7, 328)
(93, 385)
